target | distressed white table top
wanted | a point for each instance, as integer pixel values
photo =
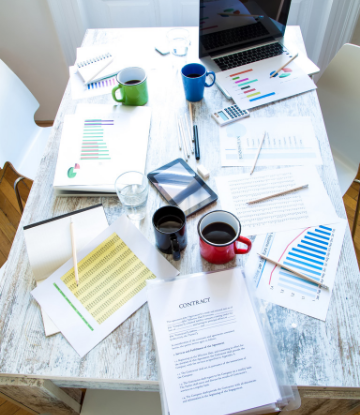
(317, 354)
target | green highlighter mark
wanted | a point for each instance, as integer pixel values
(73, 307)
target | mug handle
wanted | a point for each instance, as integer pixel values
(113, 93)
(175, 246)
(245, 241)
(213, 74)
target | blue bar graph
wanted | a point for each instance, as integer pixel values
(308, 257)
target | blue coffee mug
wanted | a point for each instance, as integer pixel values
(193, 76)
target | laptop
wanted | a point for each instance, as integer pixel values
(233, 33)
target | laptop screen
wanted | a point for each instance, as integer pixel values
(232, 24)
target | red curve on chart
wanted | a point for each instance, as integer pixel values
(285, 251)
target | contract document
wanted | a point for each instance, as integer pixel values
(299, 209)
(213, 357)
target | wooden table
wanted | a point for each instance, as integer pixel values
(43, 374)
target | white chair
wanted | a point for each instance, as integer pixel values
(339, 95)
(22, 142)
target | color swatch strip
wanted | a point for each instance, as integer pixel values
(103, 83)
(242, 80)
(239, 73)
(249, 82)
(263, 96)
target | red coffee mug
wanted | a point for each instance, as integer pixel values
(220, 253)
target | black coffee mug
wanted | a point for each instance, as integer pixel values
(170, 230)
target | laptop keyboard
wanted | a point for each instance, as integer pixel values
(249, 56)
(228, 37)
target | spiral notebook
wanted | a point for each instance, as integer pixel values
(91, 69)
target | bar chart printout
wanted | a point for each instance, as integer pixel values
(94, 146)
(250, 85)
(313, 252)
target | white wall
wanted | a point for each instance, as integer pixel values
(30, 47)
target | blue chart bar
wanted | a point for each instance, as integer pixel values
(308, 257)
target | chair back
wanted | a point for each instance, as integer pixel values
(339, 95)
(17, 109)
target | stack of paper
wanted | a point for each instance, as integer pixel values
(98, 144)
(213, 356)
(48, 244)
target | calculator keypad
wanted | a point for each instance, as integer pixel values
(234, 111)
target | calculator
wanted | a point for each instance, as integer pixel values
(229, 114)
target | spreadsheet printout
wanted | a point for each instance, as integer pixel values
(113, 269)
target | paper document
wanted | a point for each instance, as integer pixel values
(299, 209)
(250, 85)
(48, 244)
(96, 148)
(289, 141)
(312, 251)
(213, 358)
(113, 269)
(80, 90)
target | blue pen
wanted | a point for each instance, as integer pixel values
(197, 146)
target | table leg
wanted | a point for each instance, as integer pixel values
(39, 396)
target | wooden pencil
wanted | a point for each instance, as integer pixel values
(286, 64)
(257, 154)
(278, 194)
(191, 119)
(298, 274)
(188, 133)
(182, 139)
(73, 247)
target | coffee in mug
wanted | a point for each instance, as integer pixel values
(132, 86)
(219, 232)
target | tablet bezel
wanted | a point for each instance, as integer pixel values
(212, 195)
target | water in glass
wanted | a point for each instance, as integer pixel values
(133, 199)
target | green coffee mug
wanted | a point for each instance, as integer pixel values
(132, 86)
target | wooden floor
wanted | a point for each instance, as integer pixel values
(9, 223)
(8, 408)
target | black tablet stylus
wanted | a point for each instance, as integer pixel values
(197, 146)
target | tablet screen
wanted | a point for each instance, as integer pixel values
(181, 186)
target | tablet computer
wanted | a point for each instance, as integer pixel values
(182, 187)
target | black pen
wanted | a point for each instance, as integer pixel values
(197, 146)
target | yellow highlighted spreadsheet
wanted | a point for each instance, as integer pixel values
(109, 276)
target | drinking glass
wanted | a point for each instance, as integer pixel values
(132, 189)
(178, 41)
